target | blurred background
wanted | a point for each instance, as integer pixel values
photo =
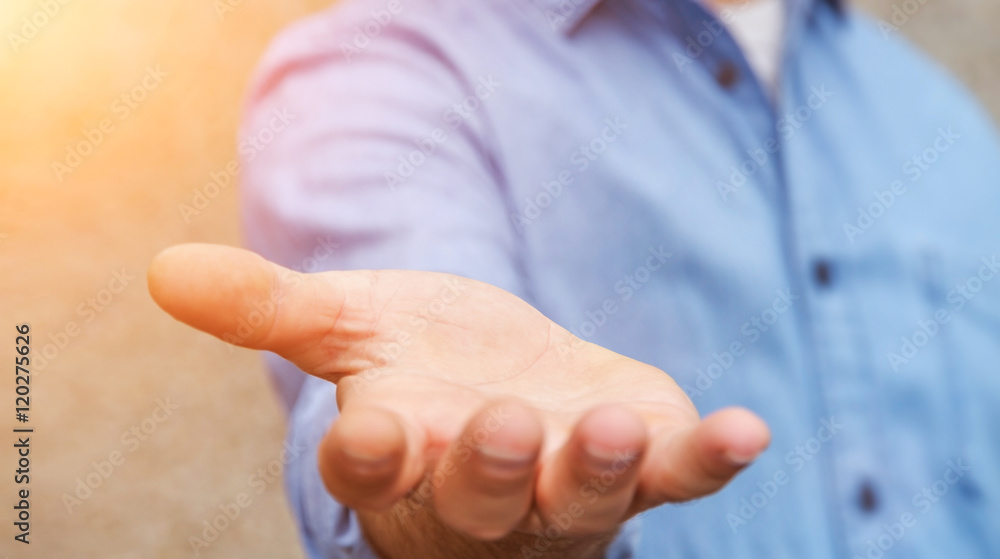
(147, 431)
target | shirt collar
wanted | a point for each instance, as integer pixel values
(565, 15)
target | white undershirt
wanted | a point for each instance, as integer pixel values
(758, 27)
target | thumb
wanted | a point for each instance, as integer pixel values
(239, 297)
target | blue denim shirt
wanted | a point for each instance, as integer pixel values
(827, 257)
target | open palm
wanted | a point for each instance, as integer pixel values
(462, 392)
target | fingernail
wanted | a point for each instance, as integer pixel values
(364, 462)
(504, 459)
(737, 458)
(601, 457)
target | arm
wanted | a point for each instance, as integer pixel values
(323, 180)
(316, 198)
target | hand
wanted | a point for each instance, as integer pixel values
(503, 421)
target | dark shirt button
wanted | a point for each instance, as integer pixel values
(969, 488)
(821, 273)
(727, 74)
(867, 499)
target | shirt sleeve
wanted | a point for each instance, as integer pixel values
(366, 160)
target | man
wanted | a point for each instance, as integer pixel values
(804, 228)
